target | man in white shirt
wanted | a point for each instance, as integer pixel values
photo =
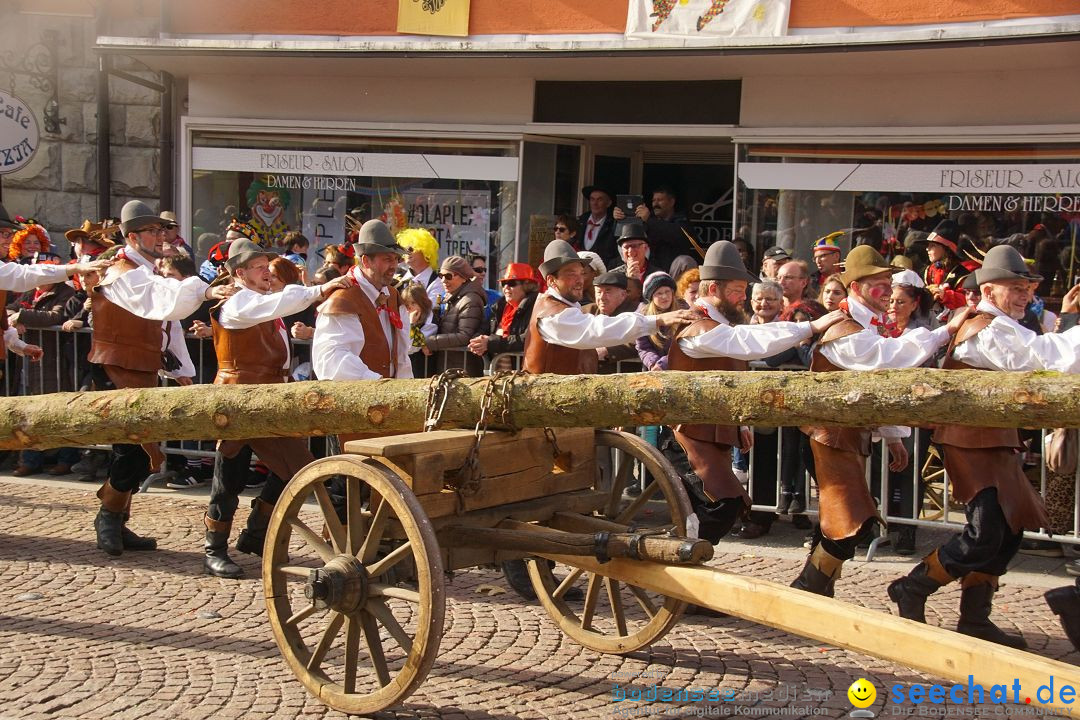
(362, 331)
(864, 342)
(984, 464)
(252, 347)
(722, 341)
(130, 306)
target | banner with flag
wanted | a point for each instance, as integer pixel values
(707, 18)
(433, 17)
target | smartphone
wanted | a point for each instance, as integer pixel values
(629, 203)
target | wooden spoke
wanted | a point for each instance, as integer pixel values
(390, 591)
(662, 505)
(592, 594)
(294, 571)
(392, 558)
(568, 582)
(643, 600)
(332, 629)
(330, 517)
(375, 648)
(352, 652)
(301, 615)
(342, 676)
(386, 616)
(367, 551)
(618, 481)
(326, 553)
(354, 514)
(616, 605)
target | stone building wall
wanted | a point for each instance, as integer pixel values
(59, 186)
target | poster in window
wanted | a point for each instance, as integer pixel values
(459, 219)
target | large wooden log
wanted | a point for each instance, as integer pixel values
(896, 397)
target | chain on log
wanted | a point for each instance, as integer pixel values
(888, 397)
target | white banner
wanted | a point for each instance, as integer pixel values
(707, 18)
(318, 162)
(18, 134)
(324, 220)
(1006, 179)
(459, 219)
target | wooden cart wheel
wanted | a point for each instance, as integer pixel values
(327, 600)
(616, 617)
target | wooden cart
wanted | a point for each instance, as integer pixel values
(355, 591)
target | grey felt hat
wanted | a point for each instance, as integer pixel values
(1004, 262)
(723, 262)
(136, 215)
(242, 251)
(375, 238)
(557, 254)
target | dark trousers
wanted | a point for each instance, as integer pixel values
(842, 549)
(986, 544)
(284, 457)
(763, 488)
(904, 500)
(796, 461)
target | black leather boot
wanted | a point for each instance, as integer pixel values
(819, 574)
(517, 577)
(110, 519)
(784, 504)
(130, 540)
(217, 560)
(1065, 603)
(253, 536)
(976, 601)
(910, 592)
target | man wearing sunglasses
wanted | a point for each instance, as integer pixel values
(130, 342)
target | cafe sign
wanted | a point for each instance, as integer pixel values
(19, 135)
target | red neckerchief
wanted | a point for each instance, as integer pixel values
(885, 328)
(507, 317)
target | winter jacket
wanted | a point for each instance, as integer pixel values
(514, 340)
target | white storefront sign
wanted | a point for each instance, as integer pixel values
(19, 134)
(1049, 179)
(707, 18)
(356, 164)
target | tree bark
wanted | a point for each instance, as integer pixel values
(888, 397)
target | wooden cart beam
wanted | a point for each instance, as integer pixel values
(943, 653)
(893, 397)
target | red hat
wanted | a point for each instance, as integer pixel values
(518, 271)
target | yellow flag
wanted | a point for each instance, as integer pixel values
(433, 17)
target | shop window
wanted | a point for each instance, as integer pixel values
(464, 193)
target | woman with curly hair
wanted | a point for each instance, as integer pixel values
(27, 243)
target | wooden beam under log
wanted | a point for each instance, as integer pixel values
(892, 397)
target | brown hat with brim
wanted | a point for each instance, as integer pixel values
(84, 232)
(243, 251)
(557, 255)
(723, 262)
(375, 238)
(863, 262)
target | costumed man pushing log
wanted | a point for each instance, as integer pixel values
(563, 340)
(130, 306)
(252, 347)
(984, 464)
(719, 342)
(864, 341)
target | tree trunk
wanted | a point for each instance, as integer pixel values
(887, 397)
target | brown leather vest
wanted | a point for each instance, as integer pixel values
(250, 356)
(848, 439)
(967, 436)
(377, 354)
(122, 338)
(678, 360)
(544, 357)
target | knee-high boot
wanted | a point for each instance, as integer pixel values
(110, 519)
(820, 573)
(129, 539)
(217, 560)
(253, 536)
(976, 601)
(910, 592)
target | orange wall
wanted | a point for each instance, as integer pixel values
(379, 17)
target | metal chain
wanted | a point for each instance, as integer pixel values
(508, 377)
(438, 394)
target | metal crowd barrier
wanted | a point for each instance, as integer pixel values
(64, 368)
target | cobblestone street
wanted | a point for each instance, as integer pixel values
(148, 635)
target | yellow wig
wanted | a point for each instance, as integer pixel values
(422, 240)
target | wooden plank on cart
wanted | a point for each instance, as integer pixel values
(500, 490)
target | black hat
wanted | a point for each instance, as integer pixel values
(1004, 262)
(242, 251)
(136, 215)
(557, 254)
(946, 234)
(6, 221)
(375, 238)
(632, 230)
(723, 262)
(616, 278)
(775, 253)
(588, 190)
